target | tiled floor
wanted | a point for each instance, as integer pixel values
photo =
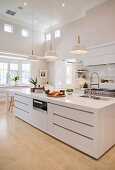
(23, 147)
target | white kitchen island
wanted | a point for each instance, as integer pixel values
(85, 124)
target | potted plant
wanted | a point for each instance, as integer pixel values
(33, 81)
(69, 91)
(16, 79)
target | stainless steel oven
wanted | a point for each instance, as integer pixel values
(39, 105)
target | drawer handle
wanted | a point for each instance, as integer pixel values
(35, 101)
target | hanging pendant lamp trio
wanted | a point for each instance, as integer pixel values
(51, 54)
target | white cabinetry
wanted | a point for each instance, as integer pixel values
(72, 126)
(39, 118)
(23, 107)
(90, 132)
(2, 95)
(100, 54)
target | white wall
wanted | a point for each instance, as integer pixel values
(35, 70)
(97, 27)
(15, 43)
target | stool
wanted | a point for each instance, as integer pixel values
(11, 105)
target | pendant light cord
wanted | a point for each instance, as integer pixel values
(32, 29)
(51, 25)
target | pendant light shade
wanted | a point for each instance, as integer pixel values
(51, 54)
(78, 48)
(33, 57)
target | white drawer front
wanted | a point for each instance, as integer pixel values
(2, 94)
(21, 114)
(81, 116)
(39, 118)
(22, 106)
(75, 140)
(22, 99)
(74, 126)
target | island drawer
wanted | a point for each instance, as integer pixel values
(79, 142)
(22, 106)
(21, 114)
(73, 126)
(22, 99)
(74, 114)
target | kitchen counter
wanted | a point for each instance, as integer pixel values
(85, 124)
(73, 101)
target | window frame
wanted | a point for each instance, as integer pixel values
(8, 82)
(3, 83)
(10, 26)
(25, 30)
(46, 37)
(57, 33)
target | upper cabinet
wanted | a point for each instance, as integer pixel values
(100, 54)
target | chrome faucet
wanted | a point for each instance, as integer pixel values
(93, 83)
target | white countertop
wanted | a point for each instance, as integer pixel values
(72, 101)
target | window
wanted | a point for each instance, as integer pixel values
(3, 73)
(25, 73)
(13, 71)
(9, 70)
(8, 28)
(57, 33)
(48, 37)
(69, 72)
(25, 33)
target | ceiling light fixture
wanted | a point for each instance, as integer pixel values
(51, 54)
(78, 48)
(63, 5)
(25, 3)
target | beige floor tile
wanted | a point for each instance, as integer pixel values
(23, 147)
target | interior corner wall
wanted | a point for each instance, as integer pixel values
(15, 43)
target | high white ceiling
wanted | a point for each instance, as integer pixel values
(73, 10)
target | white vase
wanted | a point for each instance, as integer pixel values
(16, 83)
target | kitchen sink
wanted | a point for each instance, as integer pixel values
(96, 97)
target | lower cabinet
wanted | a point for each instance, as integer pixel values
(90, 132)
(23, 107)
(39, 118)
(72, 126)
(2, 95)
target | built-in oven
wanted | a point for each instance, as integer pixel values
(39, 113)
(39, 105)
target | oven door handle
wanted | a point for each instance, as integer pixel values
(35, 101)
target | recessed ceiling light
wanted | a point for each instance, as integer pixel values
(63, 5)
(25, 3)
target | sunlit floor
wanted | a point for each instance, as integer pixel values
(23, 147)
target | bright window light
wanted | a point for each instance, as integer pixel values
(8, 28)
(25, 33)
(57, 33)
(48, 37)
(25, 73)
(3, 73)
(69, 71)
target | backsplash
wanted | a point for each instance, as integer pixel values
(106, 75)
